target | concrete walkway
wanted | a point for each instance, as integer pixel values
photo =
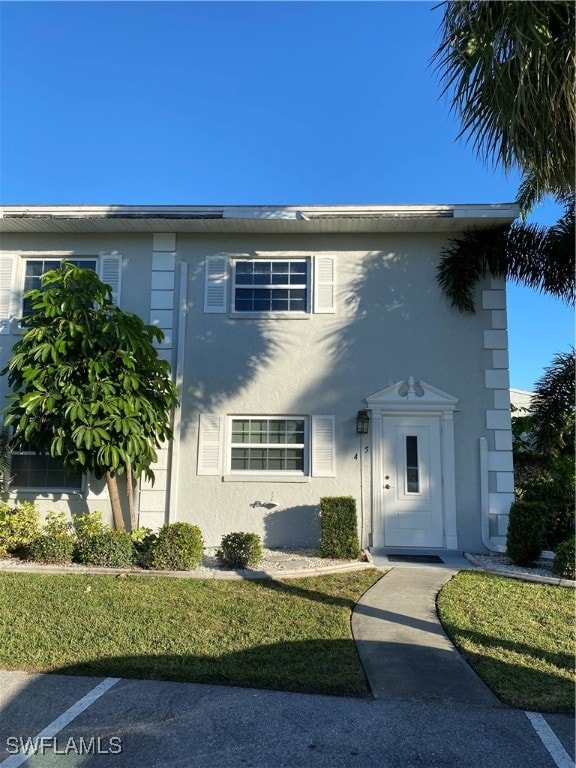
(403, 648)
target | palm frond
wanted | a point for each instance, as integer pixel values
(467, 259)
(553, 404)
(539, 257)
(543, 257)
(508, 69)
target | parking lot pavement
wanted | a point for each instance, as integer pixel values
(149, 724)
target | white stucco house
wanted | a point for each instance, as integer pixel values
(315, 356)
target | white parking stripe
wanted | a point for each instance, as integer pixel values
(62, 721)
(550, 740)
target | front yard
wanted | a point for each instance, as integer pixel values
(292, 636)
(518, 636)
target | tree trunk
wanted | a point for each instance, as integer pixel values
(130, 495)
(112, 483)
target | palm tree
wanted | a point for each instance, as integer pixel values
(509, 68)
(553, 407)
(540, 257)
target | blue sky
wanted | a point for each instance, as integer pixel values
(246, 103)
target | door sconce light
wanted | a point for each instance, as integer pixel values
(362, 423)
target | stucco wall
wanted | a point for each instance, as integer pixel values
(391, 322)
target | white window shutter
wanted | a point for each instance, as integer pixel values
(110, 269)
(324, 284)
(323, 446)
(7, 262)
(216, 284)
(210, 444)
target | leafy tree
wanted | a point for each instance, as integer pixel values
(509, 70)
(87, 383)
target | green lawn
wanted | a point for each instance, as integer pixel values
(292, 636)
(518, 636)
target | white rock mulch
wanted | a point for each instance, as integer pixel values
(501, 562)
(276, 560)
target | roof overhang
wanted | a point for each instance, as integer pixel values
(313, 219)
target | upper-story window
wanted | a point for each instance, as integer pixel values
(34, 269)
(19, 272)
(275, 287)
(271, 286)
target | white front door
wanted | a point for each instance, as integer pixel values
(412, 481)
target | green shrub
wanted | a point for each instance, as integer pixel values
(179, 547)
(87, 526)
(110, 548)
(239, 550)
(526, 531)
(19, 526)
(143, 540)
(58, 524)
(565, 559)
(57, 542)
(554, 487)
(47, 549)
(338, 527)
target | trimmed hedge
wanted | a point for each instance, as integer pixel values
(565, 559)
(338, 527)
(110, 548)
(179, 547)
(57, 542)
(239, 550)
(526, 526)
(50, 549)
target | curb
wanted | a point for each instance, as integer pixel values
(239, 574)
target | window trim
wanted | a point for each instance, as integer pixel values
(294, 314)
(289, 473)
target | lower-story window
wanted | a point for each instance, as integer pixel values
(268, 444)
(41, 472)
